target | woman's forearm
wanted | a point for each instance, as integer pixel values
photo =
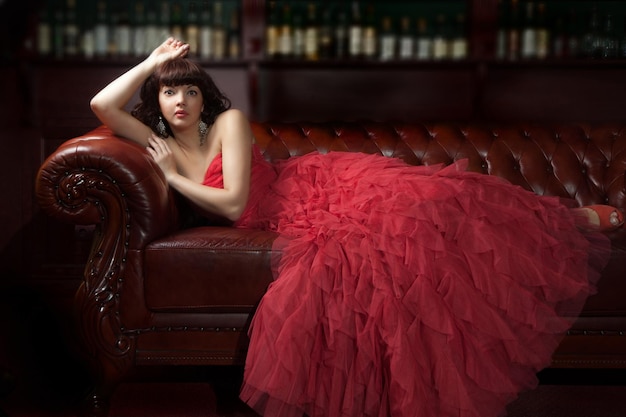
(229, 203)
(117, 94)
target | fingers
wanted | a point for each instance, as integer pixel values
(177, 45)
(157, 146)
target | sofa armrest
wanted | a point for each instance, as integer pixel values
(114, 184)
(101, 179)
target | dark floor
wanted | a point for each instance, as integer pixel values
(212, 392)
(50, 381)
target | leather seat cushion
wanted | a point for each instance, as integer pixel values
(208, 269)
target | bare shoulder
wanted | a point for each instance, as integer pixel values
(233, 125)
(232, 117)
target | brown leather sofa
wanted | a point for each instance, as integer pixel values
(162, 286)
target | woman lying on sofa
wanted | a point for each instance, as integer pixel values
(399, 290)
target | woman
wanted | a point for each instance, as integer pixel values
(400, 290)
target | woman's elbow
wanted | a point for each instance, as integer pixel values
(97, 106)
(235, 213)
(236, 208)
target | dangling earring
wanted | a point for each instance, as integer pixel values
(203, 128)
(161, 128)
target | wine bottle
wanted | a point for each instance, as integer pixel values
(424, 40)
(387, 40)
(528, 48)
(122, 32)
(234, 37)
(513, 32)
(311, 35)
(152, 28)
(101, 30)
(543, 33)
(355, 34)
(406, 47)
(139, 30)
(206, 32)
(219, 33)
(285, 34)
(441, 44)
(271, 31)
(192, 31)
(326, 35)
(44, 32)
(71, 32)
(459, 46)
(370, 37)
(341, 34)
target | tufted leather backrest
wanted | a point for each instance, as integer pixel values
(583, 162)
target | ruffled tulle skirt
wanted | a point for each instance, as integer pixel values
(409, 291)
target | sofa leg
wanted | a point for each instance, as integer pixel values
(98, 401)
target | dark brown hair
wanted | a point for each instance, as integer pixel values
(174, 73)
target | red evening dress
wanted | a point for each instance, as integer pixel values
(406, 290)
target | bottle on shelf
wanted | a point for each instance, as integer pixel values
(528, 40)
(285, 33)
(192, 29)
(71, 32)
(513, 32)
(459, 46)
(234, 39)
(205, 32)
(44, 32)
(441, 41)
(542, 32)
(590, 43)
(152, 28)
(370, 37)
(326, 35)
(355, 34)
(574, 38)
(299, 34)
(558, 43)
(101, 30)
(311, 35)
(88, 38)
(122, 34)
(271, 31)
(341, 34)
(139, 29)
(406, 42)
(424, 40)
(388, 40)
(622, 42)
(58, 30)
(501, 30)
(164, 22)
(176, 21)
(609, 42)
(219, 33)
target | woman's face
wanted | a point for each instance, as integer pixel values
(181, 106)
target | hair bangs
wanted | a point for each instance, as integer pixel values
(180, 72)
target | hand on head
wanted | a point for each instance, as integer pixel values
(170, 49)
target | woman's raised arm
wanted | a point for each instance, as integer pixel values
(109, 104)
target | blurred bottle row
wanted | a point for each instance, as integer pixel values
(558, 30)
(330, 29)
(134, 28)
(348, 30)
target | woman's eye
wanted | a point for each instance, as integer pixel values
(193, 93)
